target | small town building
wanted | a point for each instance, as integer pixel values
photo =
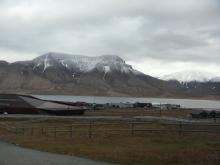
(119, 105)
(166, 106)
(142, 105)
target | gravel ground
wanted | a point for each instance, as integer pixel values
(13, 155)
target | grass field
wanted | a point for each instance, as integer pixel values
(130, 112)
(162, 148)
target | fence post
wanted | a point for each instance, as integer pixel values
(71, 131)
(160, 109)
(90, 129)
(16, 130)
(32, 131)
(180, 128)
(55, 132)
(23, 131)
(42, 131)
(132, 128)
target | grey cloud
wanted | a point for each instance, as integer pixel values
(174, 30)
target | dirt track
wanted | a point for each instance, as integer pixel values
(14, 155)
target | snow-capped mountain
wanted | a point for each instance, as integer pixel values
(58, 73)
(82, 64)
(188, 76)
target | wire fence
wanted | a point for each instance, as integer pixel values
(96, 129)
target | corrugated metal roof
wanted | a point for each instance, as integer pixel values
(25, 101)
(12, 100)
(41, 104)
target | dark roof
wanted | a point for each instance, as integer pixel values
(26, 101)
(13, 100)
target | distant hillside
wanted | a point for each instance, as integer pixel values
(189, 76)
(58, 73)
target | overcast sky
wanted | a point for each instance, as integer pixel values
(155, 36)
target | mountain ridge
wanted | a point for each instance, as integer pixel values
(109, 75)
(81, 63)
(189, 76)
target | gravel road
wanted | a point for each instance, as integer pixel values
(13, 155)
(110, 118)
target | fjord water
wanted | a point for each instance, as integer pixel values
(185, 103)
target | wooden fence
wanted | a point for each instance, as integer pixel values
(93, 129)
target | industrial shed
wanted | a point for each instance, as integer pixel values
(25, 104)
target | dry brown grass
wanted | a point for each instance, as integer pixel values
(120, 147)
(130, 112)
(152, 149)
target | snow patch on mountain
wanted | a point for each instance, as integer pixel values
(79, 63)
(106, 70)
(188, 76)
(47, 63)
